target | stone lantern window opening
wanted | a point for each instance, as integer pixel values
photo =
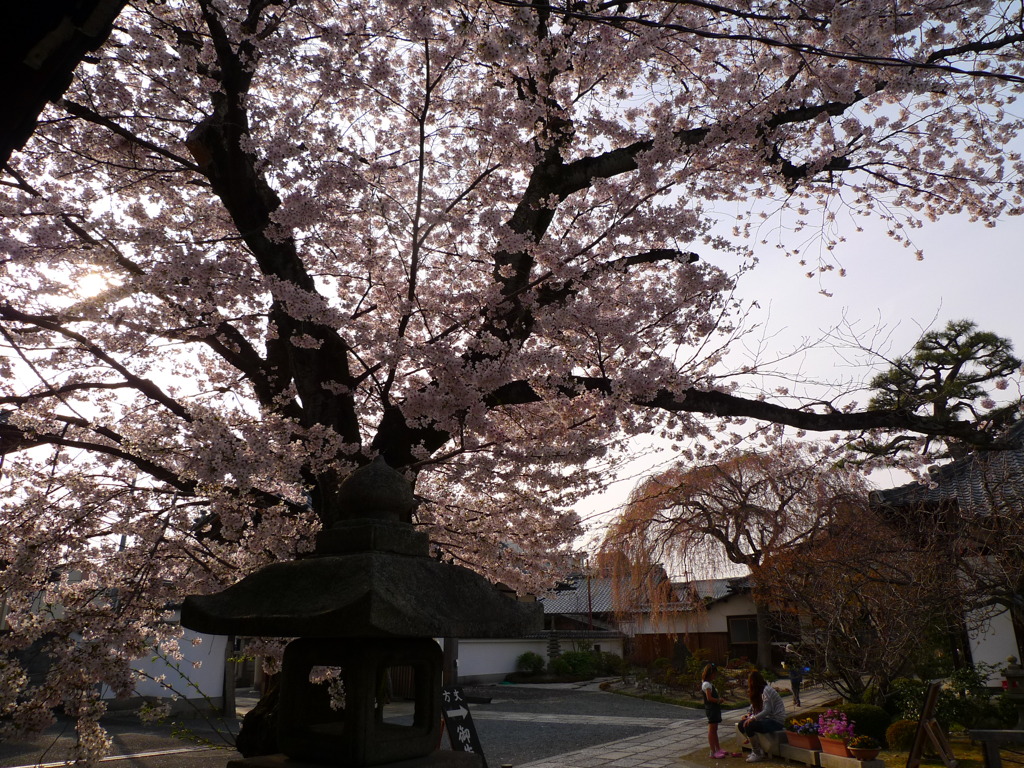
(319, 727)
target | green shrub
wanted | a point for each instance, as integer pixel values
(662, 671)
(530, 663)
(869, 720)
(900, 735)
(575, 664)
(872, 695)
(1006, 711)
(612, 664)
(906, 697)
(660, 666)
(964, 699)
(991, 713)
(559, 667)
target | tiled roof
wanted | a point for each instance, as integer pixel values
(597, 633)
(713, 590)
(576, 598)
(979, 483)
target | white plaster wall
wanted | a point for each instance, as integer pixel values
(993, 640)
(486, 659)
(714, 619)
(491, 660)
(184, 680)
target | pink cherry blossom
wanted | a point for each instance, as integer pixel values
(455, 234)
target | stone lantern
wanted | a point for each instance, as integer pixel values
(1014, 675)
(368, 600)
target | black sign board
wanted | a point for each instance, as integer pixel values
(459, 723)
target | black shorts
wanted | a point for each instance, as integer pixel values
(714, 713)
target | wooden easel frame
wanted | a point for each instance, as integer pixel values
(927, 727)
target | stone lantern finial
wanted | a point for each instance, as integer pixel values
(376, 491)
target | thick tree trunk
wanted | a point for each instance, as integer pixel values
(764, 637)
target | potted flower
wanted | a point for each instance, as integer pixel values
(803, 733)
(834, 730)
(864, 747)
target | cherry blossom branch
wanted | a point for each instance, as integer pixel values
(931, 63)
(234, 348)
(238, 351)
(420, 230)
(145, 386)
(64, 389)
(547, 295)
(85, 113)
(319, 366)
(84, 235)
(723, 404)
(14, 438)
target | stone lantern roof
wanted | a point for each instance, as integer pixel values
(370, 576)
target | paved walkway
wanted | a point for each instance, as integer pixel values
(530, 717)
(668, 746)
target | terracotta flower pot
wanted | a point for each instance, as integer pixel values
(833, 746)
(803, 740)
(863, 753)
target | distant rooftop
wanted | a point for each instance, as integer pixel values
(978, 483)
(580, 595)
(713, 590)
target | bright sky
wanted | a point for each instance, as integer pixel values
(968, 271)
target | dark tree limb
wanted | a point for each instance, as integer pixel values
(320, 369)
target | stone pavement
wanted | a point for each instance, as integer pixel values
(670, 745)
(665, 747)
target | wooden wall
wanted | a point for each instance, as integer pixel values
(644, 649)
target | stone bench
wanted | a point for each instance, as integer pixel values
(816, 759)
(835, 761)
(992, 741)
(793, 754)
(770, 743)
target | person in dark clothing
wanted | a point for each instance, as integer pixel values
(795, 668)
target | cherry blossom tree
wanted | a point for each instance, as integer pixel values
(259, 242)
(745, 508)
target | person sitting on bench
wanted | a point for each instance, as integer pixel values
(766, 714)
